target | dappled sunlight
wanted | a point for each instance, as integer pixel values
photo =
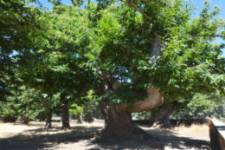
(85, 136)
(111, 74)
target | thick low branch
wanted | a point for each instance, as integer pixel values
(154, 99)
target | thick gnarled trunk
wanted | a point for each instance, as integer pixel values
(118, 122)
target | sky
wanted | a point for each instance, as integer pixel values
(198, 5)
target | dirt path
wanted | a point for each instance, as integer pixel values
(82, 137)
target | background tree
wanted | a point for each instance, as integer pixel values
(58, 67)
(198, 68)
(18, 25)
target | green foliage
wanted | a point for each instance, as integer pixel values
(24, 101)
(76, 110)
(18, 26)
(201, 106)
(189, 60)
(91, 53)
(8, 112)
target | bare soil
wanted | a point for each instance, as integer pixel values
(85, 137)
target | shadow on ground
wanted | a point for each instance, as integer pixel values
(156, 139)
(40, 138)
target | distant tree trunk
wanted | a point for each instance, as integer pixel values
(80, 118)
(65, 113)
(25, 119)
(48, 122)
(162, 117)
(118, 121)
(88, 117)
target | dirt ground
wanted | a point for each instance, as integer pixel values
(83, 137)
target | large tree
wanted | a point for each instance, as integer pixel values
(153, 49)
(136, 55)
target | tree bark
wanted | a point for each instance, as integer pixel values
(118, 122)
(25, 119)
(48, 122)
(80, 118)
(65, 113)
(156, 46)
(162, 118)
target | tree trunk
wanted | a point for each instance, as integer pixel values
(119, 124)
(156, 46)
(80, 118)
(162, 118)
(65, 113)
(118, 121)
(25, 119)
(48, 122)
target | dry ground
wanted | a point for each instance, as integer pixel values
(83, 137)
